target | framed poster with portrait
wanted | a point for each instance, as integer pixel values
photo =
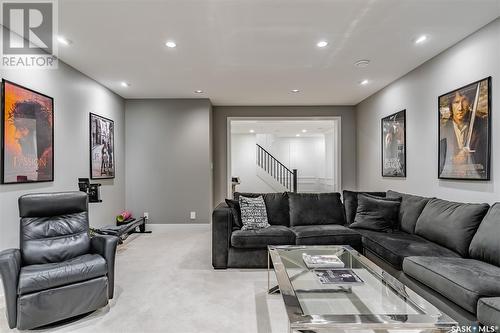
(394, 145)
(465, 132)
(27, 135)
(102, 147)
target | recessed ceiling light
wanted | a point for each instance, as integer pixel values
(304, 131)
(170, 44)
(199, 91)
(297, 135)
(322, 43)
(125, 84)
(295, 90)
(364, 82)
(252, 131)
(421, 39)
(64, 41)
(362, 63)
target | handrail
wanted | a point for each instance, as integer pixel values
(274, 158)
(276, 169)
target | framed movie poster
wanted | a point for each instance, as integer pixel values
(394, 145)
(102, 147)
(465, 132)
(27, 135)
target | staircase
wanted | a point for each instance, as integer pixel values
(267, 162)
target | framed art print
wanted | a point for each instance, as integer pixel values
(27, 135)
(102, 147)
(464, 145)
(394, 145)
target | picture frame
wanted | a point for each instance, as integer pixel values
(27, 135)
(393, 141)
(101, 147)
(465, 154)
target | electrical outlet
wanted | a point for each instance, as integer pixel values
(146, 215)
(193, 216)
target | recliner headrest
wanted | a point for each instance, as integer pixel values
(52, 204)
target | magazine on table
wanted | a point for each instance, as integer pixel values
(342, 276)
(322, 261)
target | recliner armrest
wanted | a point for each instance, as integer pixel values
(105, 245)
(10, 266)
(222, 228)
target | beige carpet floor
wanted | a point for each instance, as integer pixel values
(165, 283)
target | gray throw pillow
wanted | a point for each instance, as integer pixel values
(411, 208)
(376, 213)
(234, 205)
(253, 213)
(350, 199)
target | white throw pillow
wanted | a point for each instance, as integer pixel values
(253, 213)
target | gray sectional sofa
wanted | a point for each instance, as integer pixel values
(446, 251)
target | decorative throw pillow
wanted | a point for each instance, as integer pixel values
(376, 213)
(410, 209)
(253, 213)
(234, 205)
(277, 206)
(351, 203)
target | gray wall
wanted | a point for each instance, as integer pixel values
(472, 59)
(168, 152)
(221, 113)
(75, 95)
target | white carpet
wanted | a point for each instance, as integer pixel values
(165, 283)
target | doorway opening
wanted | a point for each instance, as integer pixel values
(283, 154)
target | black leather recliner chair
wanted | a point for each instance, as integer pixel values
(59, 270)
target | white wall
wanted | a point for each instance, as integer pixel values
(168, 146)
(306, 154)
(347, 172)
(75, 96)
(243, 164)
(309, 155)
(472, 59)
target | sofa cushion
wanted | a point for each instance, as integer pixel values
(394, 247)
(463, 281)
(488, 311)
(45, 276)
(326, 235)
(485, 244)
(315, 208)
(261, 238)
(410, 209)
(450, 224)
(234, 205)
(376, 213)
(350, 199)
(278, 210)
(253, 213)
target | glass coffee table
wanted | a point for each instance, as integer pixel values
(377, 302)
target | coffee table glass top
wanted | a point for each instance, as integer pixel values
(378, 301)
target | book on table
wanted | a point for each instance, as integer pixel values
(322, 261)
(338, 276)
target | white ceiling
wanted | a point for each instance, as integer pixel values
(253, 52)
(283, 128)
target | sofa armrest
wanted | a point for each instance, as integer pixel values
(10, 266)
(105, 245)
(222, 228)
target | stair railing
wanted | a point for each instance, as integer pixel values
(276, 169)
